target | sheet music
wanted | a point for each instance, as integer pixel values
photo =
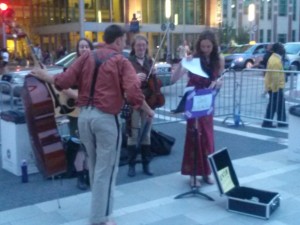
(225, 179)
(194, 66)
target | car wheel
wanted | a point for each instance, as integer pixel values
(248, 64)
(296, 66)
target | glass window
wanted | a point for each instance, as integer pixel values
(178, 9)
(225, 8)
(261, 35)
(282, 6)
(155, 11)
(282, 38)
(269, 5)
(293, 35)
(262, 9)
(294, 9)
(269, 35)
(200, 12)
(246, 5)
(117, 11)
(103, 11)
(189, 12)
(233, 9)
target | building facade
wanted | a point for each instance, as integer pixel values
(275, 20)
(54, 23)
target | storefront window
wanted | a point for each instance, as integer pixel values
(189, 12)
(156, 9)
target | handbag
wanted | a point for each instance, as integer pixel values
(161, 143)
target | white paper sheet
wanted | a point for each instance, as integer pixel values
(194, 66)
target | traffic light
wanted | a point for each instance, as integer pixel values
(6, 12)
(3, 6)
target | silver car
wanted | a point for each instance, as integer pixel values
(293, 54)
(16, 78)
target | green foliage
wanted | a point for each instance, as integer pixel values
(243, 36)
(228, 35)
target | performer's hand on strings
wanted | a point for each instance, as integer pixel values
(150, 112)
(142, 76)
(189, 57)
(216, 84)
(42, 74)
(150, 115)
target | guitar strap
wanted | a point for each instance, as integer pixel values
(98, 64)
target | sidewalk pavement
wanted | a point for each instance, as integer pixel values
(151, 201)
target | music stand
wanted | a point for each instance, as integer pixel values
(194, 110)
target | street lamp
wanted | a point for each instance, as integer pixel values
(168, 15)
(251, 19)
(3, 8)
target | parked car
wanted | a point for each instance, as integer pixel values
(16, 78)
(292, 50)
(233, 50)
(249, 55)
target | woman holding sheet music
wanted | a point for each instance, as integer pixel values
(212, 64)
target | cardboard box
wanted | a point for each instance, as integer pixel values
(243, 200)
(16, 147)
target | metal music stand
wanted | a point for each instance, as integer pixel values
(194, 189)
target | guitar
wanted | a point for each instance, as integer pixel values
(63, 104)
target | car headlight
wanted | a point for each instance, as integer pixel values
(240, 59)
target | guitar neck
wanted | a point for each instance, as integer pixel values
(63, 108)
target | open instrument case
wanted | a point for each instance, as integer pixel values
(244, 200)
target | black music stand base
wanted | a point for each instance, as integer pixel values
(194, 192)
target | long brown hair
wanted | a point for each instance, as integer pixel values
(83, 39)
(214, 56)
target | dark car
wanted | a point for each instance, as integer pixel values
(249, 55)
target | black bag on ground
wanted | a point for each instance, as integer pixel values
(161, 143)
(71, 145)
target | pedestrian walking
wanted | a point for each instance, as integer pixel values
(274, 86)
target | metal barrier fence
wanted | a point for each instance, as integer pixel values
(5, 99)
(252, 101)
(242, 97)
(6, 94)
(224, 101)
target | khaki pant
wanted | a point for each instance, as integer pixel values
(138, 119)
(101, 135)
